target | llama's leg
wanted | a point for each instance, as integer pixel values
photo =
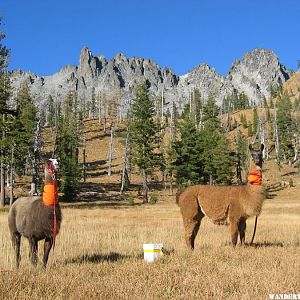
(16, 241)
(47, 247)
(234, 232)
(33, 251)
(191, 227)
(242, 230)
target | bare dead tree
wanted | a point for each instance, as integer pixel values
(110, 152)
(2, 175)
(125, 164)
(11, 191)
(276, 137)
(35, 159)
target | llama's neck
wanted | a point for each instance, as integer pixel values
(254, 174)
(49, 178)
(50, 196)
(254, 167)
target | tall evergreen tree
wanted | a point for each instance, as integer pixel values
(241, 149)
(67, 148)
(4, 95)
(25, 126)
(188, 164)
(144, 135)
(216, 155)
(255, 122)
(4, 52)
(286, 126)
(203, 156)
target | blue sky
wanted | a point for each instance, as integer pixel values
(45, 35)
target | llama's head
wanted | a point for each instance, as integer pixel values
(54, 164)
(52, 167)
(257, 155)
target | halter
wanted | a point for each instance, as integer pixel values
(51, 168)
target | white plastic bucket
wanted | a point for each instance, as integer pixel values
(152, 252)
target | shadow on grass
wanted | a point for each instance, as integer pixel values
(265, 244)
(257, 245)
(98, 258)
(98, 204)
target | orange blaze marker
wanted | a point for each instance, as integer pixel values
(50, 197)
(255, 177)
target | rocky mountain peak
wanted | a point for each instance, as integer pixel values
(254, 74)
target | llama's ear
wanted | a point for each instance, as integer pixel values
(262, 147)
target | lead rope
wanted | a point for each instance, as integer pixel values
(54, 226)
(254, 230)
(54, 214)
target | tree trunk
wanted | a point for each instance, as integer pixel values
(110, 155)
(145, 187)
(11, 192)
(35, 159)
(124, 171)
(2, 173)
(84, 159)
(84, 167)
(2, 184)
(276, 138)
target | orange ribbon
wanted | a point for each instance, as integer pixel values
(255, 177)
(50, 194)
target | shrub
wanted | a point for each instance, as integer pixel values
(130, 200)
(153, 198)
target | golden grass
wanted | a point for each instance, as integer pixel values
(99, 255)
(99, 251)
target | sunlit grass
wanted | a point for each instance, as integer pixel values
(99, 255)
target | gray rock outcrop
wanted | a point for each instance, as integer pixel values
(253, 75)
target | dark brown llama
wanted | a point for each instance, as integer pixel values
(37, 217)
(223, 205)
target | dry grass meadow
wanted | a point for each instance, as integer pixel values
(99, 252)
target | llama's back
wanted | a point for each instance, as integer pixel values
(30, 217)
(216, 202)
(18, 213)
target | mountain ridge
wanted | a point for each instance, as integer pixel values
(253, 75)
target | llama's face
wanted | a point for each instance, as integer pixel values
(53, 164)
(257, 156)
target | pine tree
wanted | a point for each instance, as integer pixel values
(4, 52)
(203, 156)
(286, 126)
(24, 129)
(4, 95)
(255, 122)
(188, 164)
(144, 135)
(67, 148)
(216, 155)
(241, 150)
